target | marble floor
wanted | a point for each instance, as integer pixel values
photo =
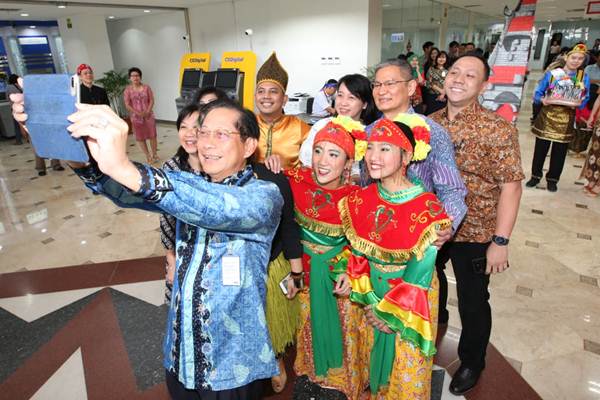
(546, 307)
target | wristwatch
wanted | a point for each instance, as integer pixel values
(500, 240)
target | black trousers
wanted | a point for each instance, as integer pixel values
(441, 260)
(473, 301)
(557, 159)
(251, 391)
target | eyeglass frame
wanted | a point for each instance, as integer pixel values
(215, 133)
(388, 83)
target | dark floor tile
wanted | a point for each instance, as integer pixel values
(584, 236)
(39, 203)
(591, 346)
(29, 161)
(14, 170)
(68, 217)
(524, 291)
(577, 166)
(104, 235)
(57, 187)
(579, 205)
(452, 302)
(529, 243)
(590, 280)
(579, 183)
(72, 174)
(15, 191)
(119, 212)
(49, 240)
(131, 145)
(540, 212)
(33, 178)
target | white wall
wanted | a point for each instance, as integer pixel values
(155, 44)
(86, 42)
(301, 32)
(375, 29)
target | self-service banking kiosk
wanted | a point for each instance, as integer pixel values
(229, 80)
(190, 86)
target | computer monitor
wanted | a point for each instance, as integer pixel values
(227, 79)
(208, 78)
(191, 78)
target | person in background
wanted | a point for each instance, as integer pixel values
(14, 87)
(453, 51)
(554, 125)
(90, 93)
(416, 100)
(469, 47)
(208, 94)
(279, 134)
(462, 48)
(354, 99)
(489, 51)
(435, 84)
(591, 168)
(139, 102)
(323, 103)
(489, 159)
(593, 73)
(433, 53)
(427, 46)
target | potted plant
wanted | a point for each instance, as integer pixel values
(115, 82)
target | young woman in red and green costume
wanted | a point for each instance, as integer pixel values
(328, 347)
(391, 227)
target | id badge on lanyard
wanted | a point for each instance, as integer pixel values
(230, 269)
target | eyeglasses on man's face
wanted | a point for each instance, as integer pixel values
(387, 84)
(221, 134)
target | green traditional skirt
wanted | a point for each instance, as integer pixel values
(282, 313)
(555, 123)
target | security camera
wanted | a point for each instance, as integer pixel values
(185, 37)
(248, 32)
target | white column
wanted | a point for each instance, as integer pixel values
(443, 27)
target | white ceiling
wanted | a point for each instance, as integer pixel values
(555, 10)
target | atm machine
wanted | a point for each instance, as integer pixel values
(190, 85)
(229, 80)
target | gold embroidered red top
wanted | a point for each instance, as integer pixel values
(316, 207)
(391, 232)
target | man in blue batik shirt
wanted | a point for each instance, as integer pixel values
(217, 345)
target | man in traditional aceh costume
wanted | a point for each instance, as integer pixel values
(391, 226)
(280, 134)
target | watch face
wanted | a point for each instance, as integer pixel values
(500, 240)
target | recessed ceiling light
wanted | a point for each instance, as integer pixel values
(62, 6)
(111, 17)
(146, 11)
(24, 15)
(32, 26)
(386, 5)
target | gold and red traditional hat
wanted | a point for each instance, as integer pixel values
(347, 133)
(411, 134)
(272, 71)
(578, 48)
